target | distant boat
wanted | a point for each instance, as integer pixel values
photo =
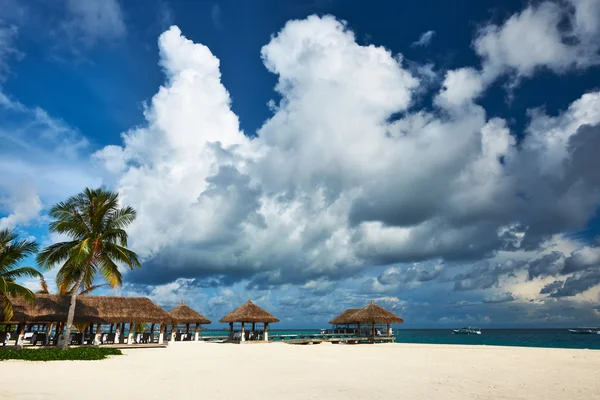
(467, 331)
(585, 331)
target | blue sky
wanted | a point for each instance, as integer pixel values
(316, 154)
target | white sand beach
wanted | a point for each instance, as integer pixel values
(325, 371)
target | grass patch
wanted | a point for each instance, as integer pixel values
(78, 353)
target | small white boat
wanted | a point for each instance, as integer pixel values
(467, 331)
(585, 331)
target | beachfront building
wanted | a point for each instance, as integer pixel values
(98, 319)
(373, 317)
(185, 315)
(249, 313)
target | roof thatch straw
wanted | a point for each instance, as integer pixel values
(90, 309)
(182, 314)
(249, 312)
(374, 314)
(345, 317)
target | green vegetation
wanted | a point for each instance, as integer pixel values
(78, 353)
(12, 252)
(96, 224)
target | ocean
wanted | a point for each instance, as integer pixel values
(553, 338)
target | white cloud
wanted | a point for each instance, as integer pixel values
(8, 35)
(46, 159)
(92, 20)
(536, 38)
(425, 39)
(460, 87)
(330, 186)
(21, 204)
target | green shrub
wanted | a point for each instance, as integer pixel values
(77, 353)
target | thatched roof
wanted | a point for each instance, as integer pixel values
(91, 309)
(182, 314)
(374, 314)
(345, 317)
(249, 312)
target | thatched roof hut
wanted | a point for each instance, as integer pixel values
(183, 314)
(249, 312)
(48, 308)
(374, 314)
(345, 317)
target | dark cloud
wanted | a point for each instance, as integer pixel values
(484, 275)
(578, 283)
(548, 265)
(582, 165)
(552, 287)
(581, 260)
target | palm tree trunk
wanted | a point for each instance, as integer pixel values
(71, 314)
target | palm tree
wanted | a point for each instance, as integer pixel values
(96, 224)
(12, 252)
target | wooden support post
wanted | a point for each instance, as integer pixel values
(59, 334)
(231, 331)
(358, 330)
(20, 333)
(111, 328)
(48, 333)
(243, 334)
(389, 331)
(130, 336)
(173, 329)
(266, 331)
(161, 334)
(117, 333)
(152, 333)
(196, 332)
(97, 336)
(373, 332)
(187, 330)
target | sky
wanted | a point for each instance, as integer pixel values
(314, 155)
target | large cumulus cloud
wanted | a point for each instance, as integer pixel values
(346, 174)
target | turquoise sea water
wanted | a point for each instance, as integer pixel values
(555, 338)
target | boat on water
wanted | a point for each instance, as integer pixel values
(585, 331)
(467, 331)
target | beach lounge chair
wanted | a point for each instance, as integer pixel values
(39, 337)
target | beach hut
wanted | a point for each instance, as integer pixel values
(91, 311)
(343, 323)
(249, 313)
(183, 314)
(374, 315)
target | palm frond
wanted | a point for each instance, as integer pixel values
(44, 286)
(23, 272)
(91, 289)
(122, 255)
(110, 271)
(56, 254)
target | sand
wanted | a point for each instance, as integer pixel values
(326, 371)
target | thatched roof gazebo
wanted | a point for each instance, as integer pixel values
(183, 314)
(345, 317)
(249, 312)
(49, 309)
(372, 315)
